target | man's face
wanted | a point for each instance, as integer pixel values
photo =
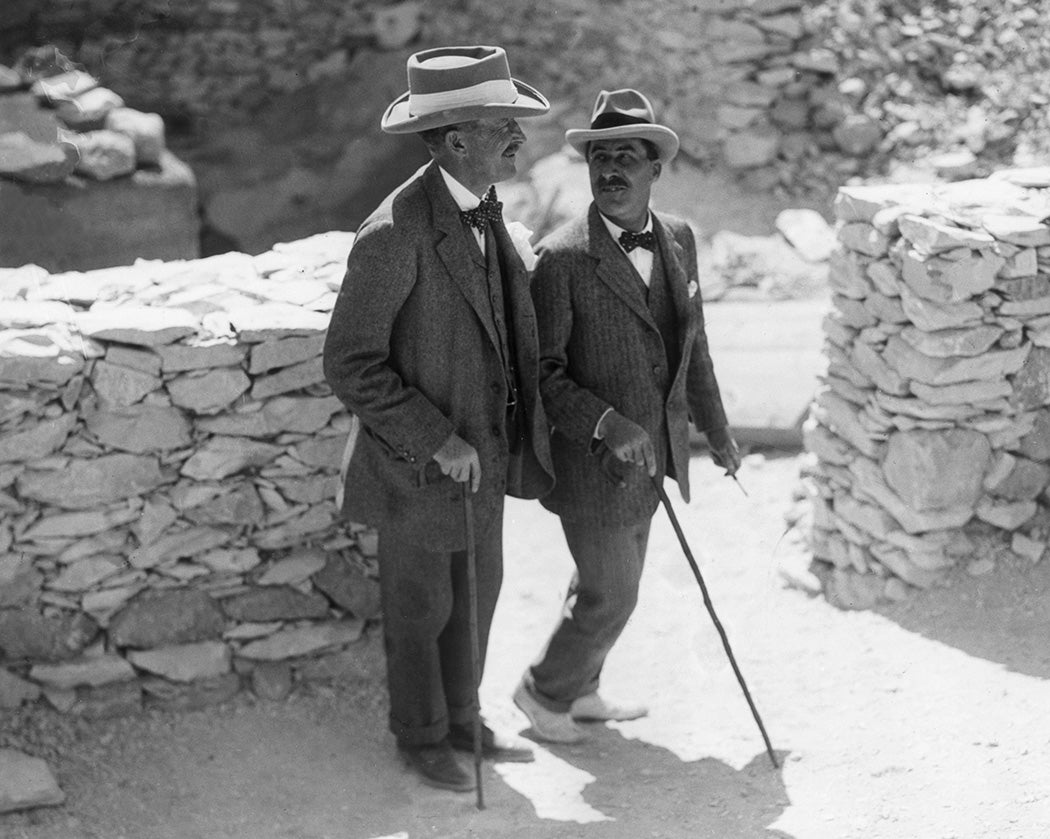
(491, 146)
(622, 178)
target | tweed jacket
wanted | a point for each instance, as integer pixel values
(413, 352)
(600, 347)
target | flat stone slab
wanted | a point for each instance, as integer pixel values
(26, 782)
(142, 325)
(89, 483)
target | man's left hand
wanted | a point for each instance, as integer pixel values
(724, 450)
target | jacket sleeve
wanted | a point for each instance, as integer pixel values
(573, 410)
(380, 275)
(702, 393)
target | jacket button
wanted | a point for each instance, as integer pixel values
(496, 430)
(495, 387)
(656, 368)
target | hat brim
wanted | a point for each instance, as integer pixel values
(398, 120)
(665, 140)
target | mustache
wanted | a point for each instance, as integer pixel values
(612, 180)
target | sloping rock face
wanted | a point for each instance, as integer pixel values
(928, 439)
(169, 455)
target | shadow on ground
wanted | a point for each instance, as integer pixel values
(1003, 616)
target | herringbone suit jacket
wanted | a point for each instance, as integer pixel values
(600, 347)
(413, 352)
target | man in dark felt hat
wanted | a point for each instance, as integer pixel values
(624, 366)
(432, 347)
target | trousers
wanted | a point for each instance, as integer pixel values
(426, 630)
(600, 600)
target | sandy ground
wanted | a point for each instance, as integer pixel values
(924, 720)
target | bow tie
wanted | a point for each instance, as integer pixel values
(629, 241)
(489, 210)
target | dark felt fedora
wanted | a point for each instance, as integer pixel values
(624, 113)
(447, 85)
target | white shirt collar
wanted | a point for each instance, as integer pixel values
(464, 198)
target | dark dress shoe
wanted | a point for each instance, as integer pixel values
(493, 746)
(436, 765)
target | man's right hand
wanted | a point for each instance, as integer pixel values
(628, 441)
(459, 460)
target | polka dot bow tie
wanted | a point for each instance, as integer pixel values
(489, 210)
(629, 241)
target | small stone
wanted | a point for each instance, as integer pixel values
(201, 693)
(105, 155)
(25, 159)
(1031, 549)
(87, 111)
(185, 662)
(221, 457)
(271, 603)
(808, 233)
(100, 670)
(857, 135)
(208, 393)
(119, 386)
(161, 618)
(35, 441)
(272, 680)
(980, 567)
(307, 640)
(138, 325)
(271, 355)
(140, 429)
(16, 691)
(296, 568)
(91, 483)
(145, 130)
(26, 782)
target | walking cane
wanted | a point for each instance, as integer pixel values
(711, 611)
(475, 647)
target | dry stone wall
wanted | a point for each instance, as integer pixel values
(169, 456)
(930, 440)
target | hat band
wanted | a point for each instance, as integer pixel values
(614, 120)
(492, 92)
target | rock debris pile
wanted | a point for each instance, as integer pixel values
(169, 456)
(59, 120)
(930, 440)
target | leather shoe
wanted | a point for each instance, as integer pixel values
(493, 746)
(550, 726)
(436, 766)
(595, 708)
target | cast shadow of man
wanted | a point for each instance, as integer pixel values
(639, 789)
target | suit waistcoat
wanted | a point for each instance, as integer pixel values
(662, 307)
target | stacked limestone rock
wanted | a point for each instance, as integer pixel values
(90, 132)
(169, 457)
(932, 435)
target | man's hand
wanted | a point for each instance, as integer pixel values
(628, 441)
(724, 450)
(459, 460)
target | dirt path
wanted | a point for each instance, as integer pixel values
(928, 719)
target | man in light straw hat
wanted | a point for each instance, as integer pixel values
(432, 347)
(624, 366)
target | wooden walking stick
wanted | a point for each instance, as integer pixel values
(475, 646)
(711, 611)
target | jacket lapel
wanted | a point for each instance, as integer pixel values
(453, 248)
(677, 277)
(613, 268)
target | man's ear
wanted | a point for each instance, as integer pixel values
(658, 167)
(455, 143)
